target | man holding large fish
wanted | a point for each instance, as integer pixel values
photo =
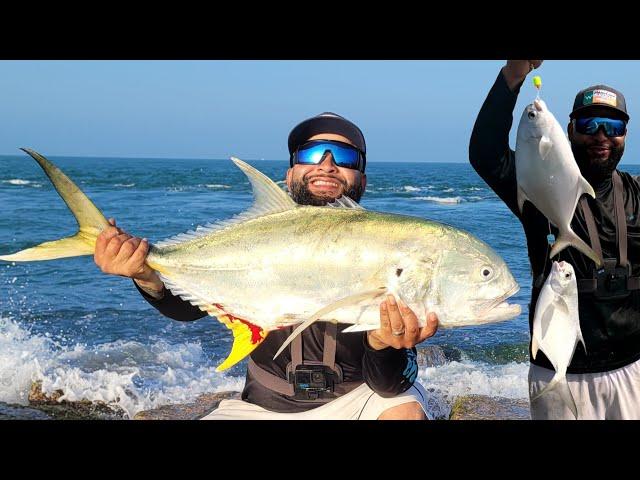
(578, 209)
(384, 358)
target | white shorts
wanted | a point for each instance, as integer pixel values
(613, 395)
(362, 403)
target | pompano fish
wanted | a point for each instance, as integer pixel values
(280, 264)
(556, 327)
(548, 175)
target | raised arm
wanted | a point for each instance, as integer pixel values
(489, 151)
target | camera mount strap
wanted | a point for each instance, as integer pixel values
(281, 385)
(590, 284)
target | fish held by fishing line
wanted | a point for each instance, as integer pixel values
(548, 176)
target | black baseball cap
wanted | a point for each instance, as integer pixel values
(327, 122)
(599, 96)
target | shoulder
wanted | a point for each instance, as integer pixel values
(627, 178)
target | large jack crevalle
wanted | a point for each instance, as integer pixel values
(280, 264)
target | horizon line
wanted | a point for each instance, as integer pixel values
(245, 158)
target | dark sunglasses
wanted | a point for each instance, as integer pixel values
(590, 125)
(313, 153)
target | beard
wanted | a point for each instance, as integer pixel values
(596, 169)
(302, 195)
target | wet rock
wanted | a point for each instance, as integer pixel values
(51, 405)
(202, 406)
(431, 356)
(20, 412)
(482, 407)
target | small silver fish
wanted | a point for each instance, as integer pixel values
(556, 327)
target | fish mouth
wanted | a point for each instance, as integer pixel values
(499, 309)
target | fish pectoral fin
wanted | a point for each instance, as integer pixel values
(561, 304)
(246, 338)
(343, 302)
(545, 320)
(360, 327)
(522, 197)
(545, 146)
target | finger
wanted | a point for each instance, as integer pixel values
(112, 221)
(385, 324)
(430, 328)
(397, 325)
(113, 247)
(136, 261)
(103, 240)
(126, 249)
(411, 323)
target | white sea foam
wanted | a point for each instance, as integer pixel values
(448, 190)
(446, 382)
(410, 188)
(447, 200)
(216, 185)
(19, 181)
(111, 373)
(141, 376)
(125, 185)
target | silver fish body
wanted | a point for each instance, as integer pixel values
(556, 328)
(548, 176)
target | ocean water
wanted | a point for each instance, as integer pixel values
(69, 325)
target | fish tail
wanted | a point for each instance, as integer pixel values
(90, 220)
(570, 239)
(559, 382)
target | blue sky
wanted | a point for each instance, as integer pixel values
(408, 110)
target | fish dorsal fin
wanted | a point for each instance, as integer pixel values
(268, 198)
(345, 202)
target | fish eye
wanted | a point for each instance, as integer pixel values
(567, 275)
(531, 114)
(486, 272)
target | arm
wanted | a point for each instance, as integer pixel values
(489, 151)
(119, 253)
(390, 365)
(171, 305)
(389, 371)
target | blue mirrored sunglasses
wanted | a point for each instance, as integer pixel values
(313, 153)
(590, 125)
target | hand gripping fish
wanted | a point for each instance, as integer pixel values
(556, 327)
(548, 175)
(281, 264)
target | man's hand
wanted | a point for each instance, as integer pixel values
(515, 71)
(397, 317)
(119, 253)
